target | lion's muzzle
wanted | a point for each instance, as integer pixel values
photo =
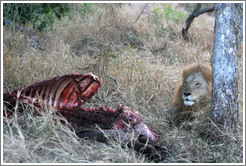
(187, 99)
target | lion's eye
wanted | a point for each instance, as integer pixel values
(198, 85)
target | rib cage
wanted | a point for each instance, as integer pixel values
(61, 92)
(67, 93)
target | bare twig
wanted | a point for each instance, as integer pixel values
(113, 78)
(34, 42)
(122, 53)
(140, 13)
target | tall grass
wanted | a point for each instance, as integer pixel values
(147, 69)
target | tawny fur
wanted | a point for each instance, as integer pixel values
(179, 111)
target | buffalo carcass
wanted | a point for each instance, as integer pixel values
(68, 93)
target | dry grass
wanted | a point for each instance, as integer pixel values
(93, 44)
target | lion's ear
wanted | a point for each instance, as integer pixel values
(207, 72)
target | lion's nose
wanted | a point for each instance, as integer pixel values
(187, 93)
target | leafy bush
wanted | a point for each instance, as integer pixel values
(40, 15)
(169, 15)
(85, 8)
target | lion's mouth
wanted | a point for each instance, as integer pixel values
(189, 102)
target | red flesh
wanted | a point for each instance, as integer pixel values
(68, 93)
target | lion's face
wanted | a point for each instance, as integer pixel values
(194, 89)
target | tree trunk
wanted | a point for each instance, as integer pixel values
(224, 108)
(241, 24)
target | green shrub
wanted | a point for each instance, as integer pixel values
(168, 14)
(85, 8)
(40, 15)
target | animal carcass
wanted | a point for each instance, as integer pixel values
(68, 93)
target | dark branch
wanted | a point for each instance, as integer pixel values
(189, 20)
(140, 13)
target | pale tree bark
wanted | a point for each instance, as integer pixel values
(241, 24)
(224, 108)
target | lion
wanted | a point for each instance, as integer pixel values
(192, 94)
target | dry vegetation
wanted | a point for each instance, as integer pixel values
(100, 43)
